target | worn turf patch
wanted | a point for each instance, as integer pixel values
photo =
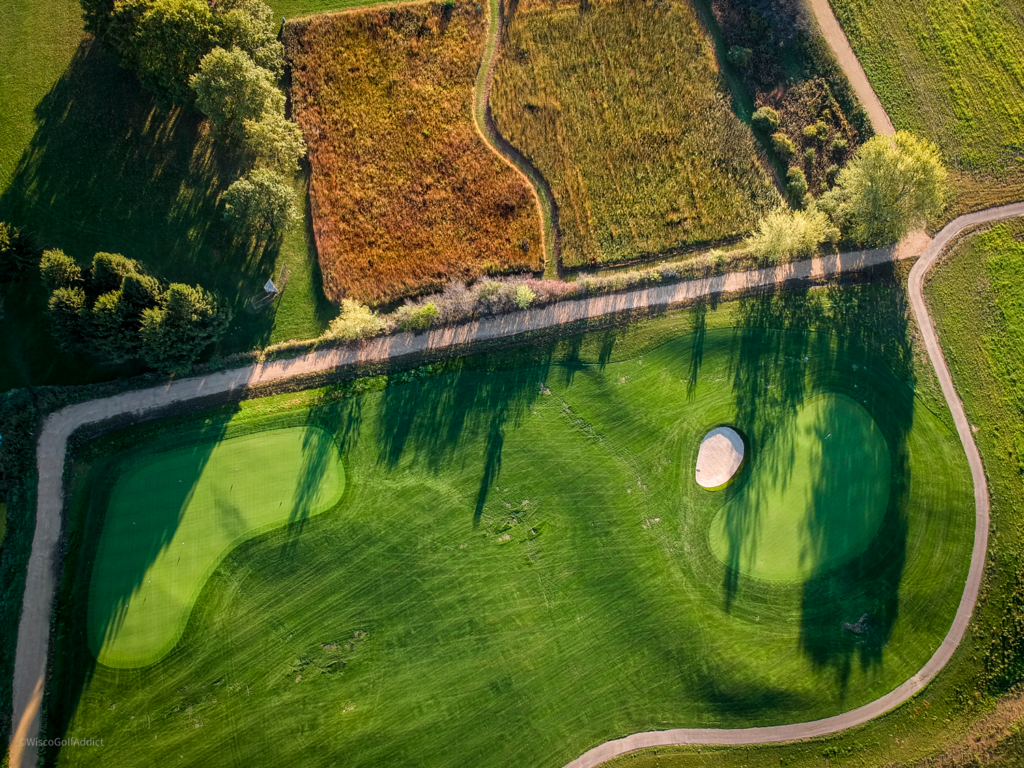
(182, 512)
(791, 518)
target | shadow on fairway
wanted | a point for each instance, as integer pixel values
(108, 171)
(848, 612)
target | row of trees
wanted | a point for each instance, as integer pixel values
(892, 185)
(115, 312)
(225, 61)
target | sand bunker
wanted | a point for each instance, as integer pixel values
(719, 458)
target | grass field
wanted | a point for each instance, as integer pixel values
(953, 72)
(405, 194)
(623, 109)
(479, 588)
(87, 163)
(213, 496)
(786, 522)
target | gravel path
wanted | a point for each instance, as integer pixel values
(837, 41)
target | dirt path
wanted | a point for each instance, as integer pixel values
(840, 46)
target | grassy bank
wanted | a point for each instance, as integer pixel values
(622, 108)
(952, 72)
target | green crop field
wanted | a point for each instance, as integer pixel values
(622, 107)
(521, 564)
(953, 72)
(87, 163)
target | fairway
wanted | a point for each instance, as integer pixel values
(521, 564)
(816, 495)
(182, 512)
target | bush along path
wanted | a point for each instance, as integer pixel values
(33, 631)
(546, 204)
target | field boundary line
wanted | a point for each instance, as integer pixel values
(547, 208)
(850, 64)
(31, 654)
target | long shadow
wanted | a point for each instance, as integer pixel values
(847, 612)
(74, 662)
(106, 170)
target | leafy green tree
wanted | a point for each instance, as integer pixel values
(249, 25)
(767, 119)
(187, 321)
(783, 145)
(356, 321)
(17, 253)
(890, 186)
(784, 234)
(260, 204)
(109, 270)
(66, 309)
(58, 270)
(171, 38)
(231, 89)
(97, 14)
(275, 142)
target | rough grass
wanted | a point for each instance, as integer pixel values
(622, 108)
(521, 568)
(953, 72)
(405, 194)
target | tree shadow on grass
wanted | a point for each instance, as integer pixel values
(863, 351)
(108, 171)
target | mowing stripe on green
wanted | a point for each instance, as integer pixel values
(815, 496)
(183, 511)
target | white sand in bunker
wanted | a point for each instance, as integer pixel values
(720, 456)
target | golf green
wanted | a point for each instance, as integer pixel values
(815, 496)
(182, 512)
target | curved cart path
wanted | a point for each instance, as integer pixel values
(797, 731)
(840, 45)
(33, 631)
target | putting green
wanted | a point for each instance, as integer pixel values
(183, 511)
(816, 495)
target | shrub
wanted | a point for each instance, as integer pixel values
(816, 131)
(109, 270)
(739, 56)
(231, 89)
(809, 155)
(260, 204)
(66, 307)
(783, 234)
(524, 296)
(58, 270)
(188, 320)
(783, 146)
(356, 321)
(412, 317)
(839, 145)
(275, 142)
(112, 328)
(796, 186)
(767, 119)
(832, 173)
(17, 253)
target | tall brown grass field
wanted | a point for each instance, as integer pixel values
(620, 104)
(405, 195)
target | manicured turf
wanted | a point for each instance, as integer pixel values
(954, 72)
(815, 496)
(405, 194)
(623, 109)
(172, 517)
(520, 568)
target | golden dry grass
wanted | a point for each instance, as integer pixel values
(622, 107)
(405, 195)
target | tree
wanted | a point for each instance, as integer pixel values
(17, 253)
(249, 25)
(275, 142)
(892, 185)
(783, 234)
(767, 119)
(109, 270)
(356, 321)
(231, 89)
(175, 333)
(66, 307)
(58, 270)
(112, 328)
(171, 38)
(796, 186)
(783, 145)
(260, 204)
